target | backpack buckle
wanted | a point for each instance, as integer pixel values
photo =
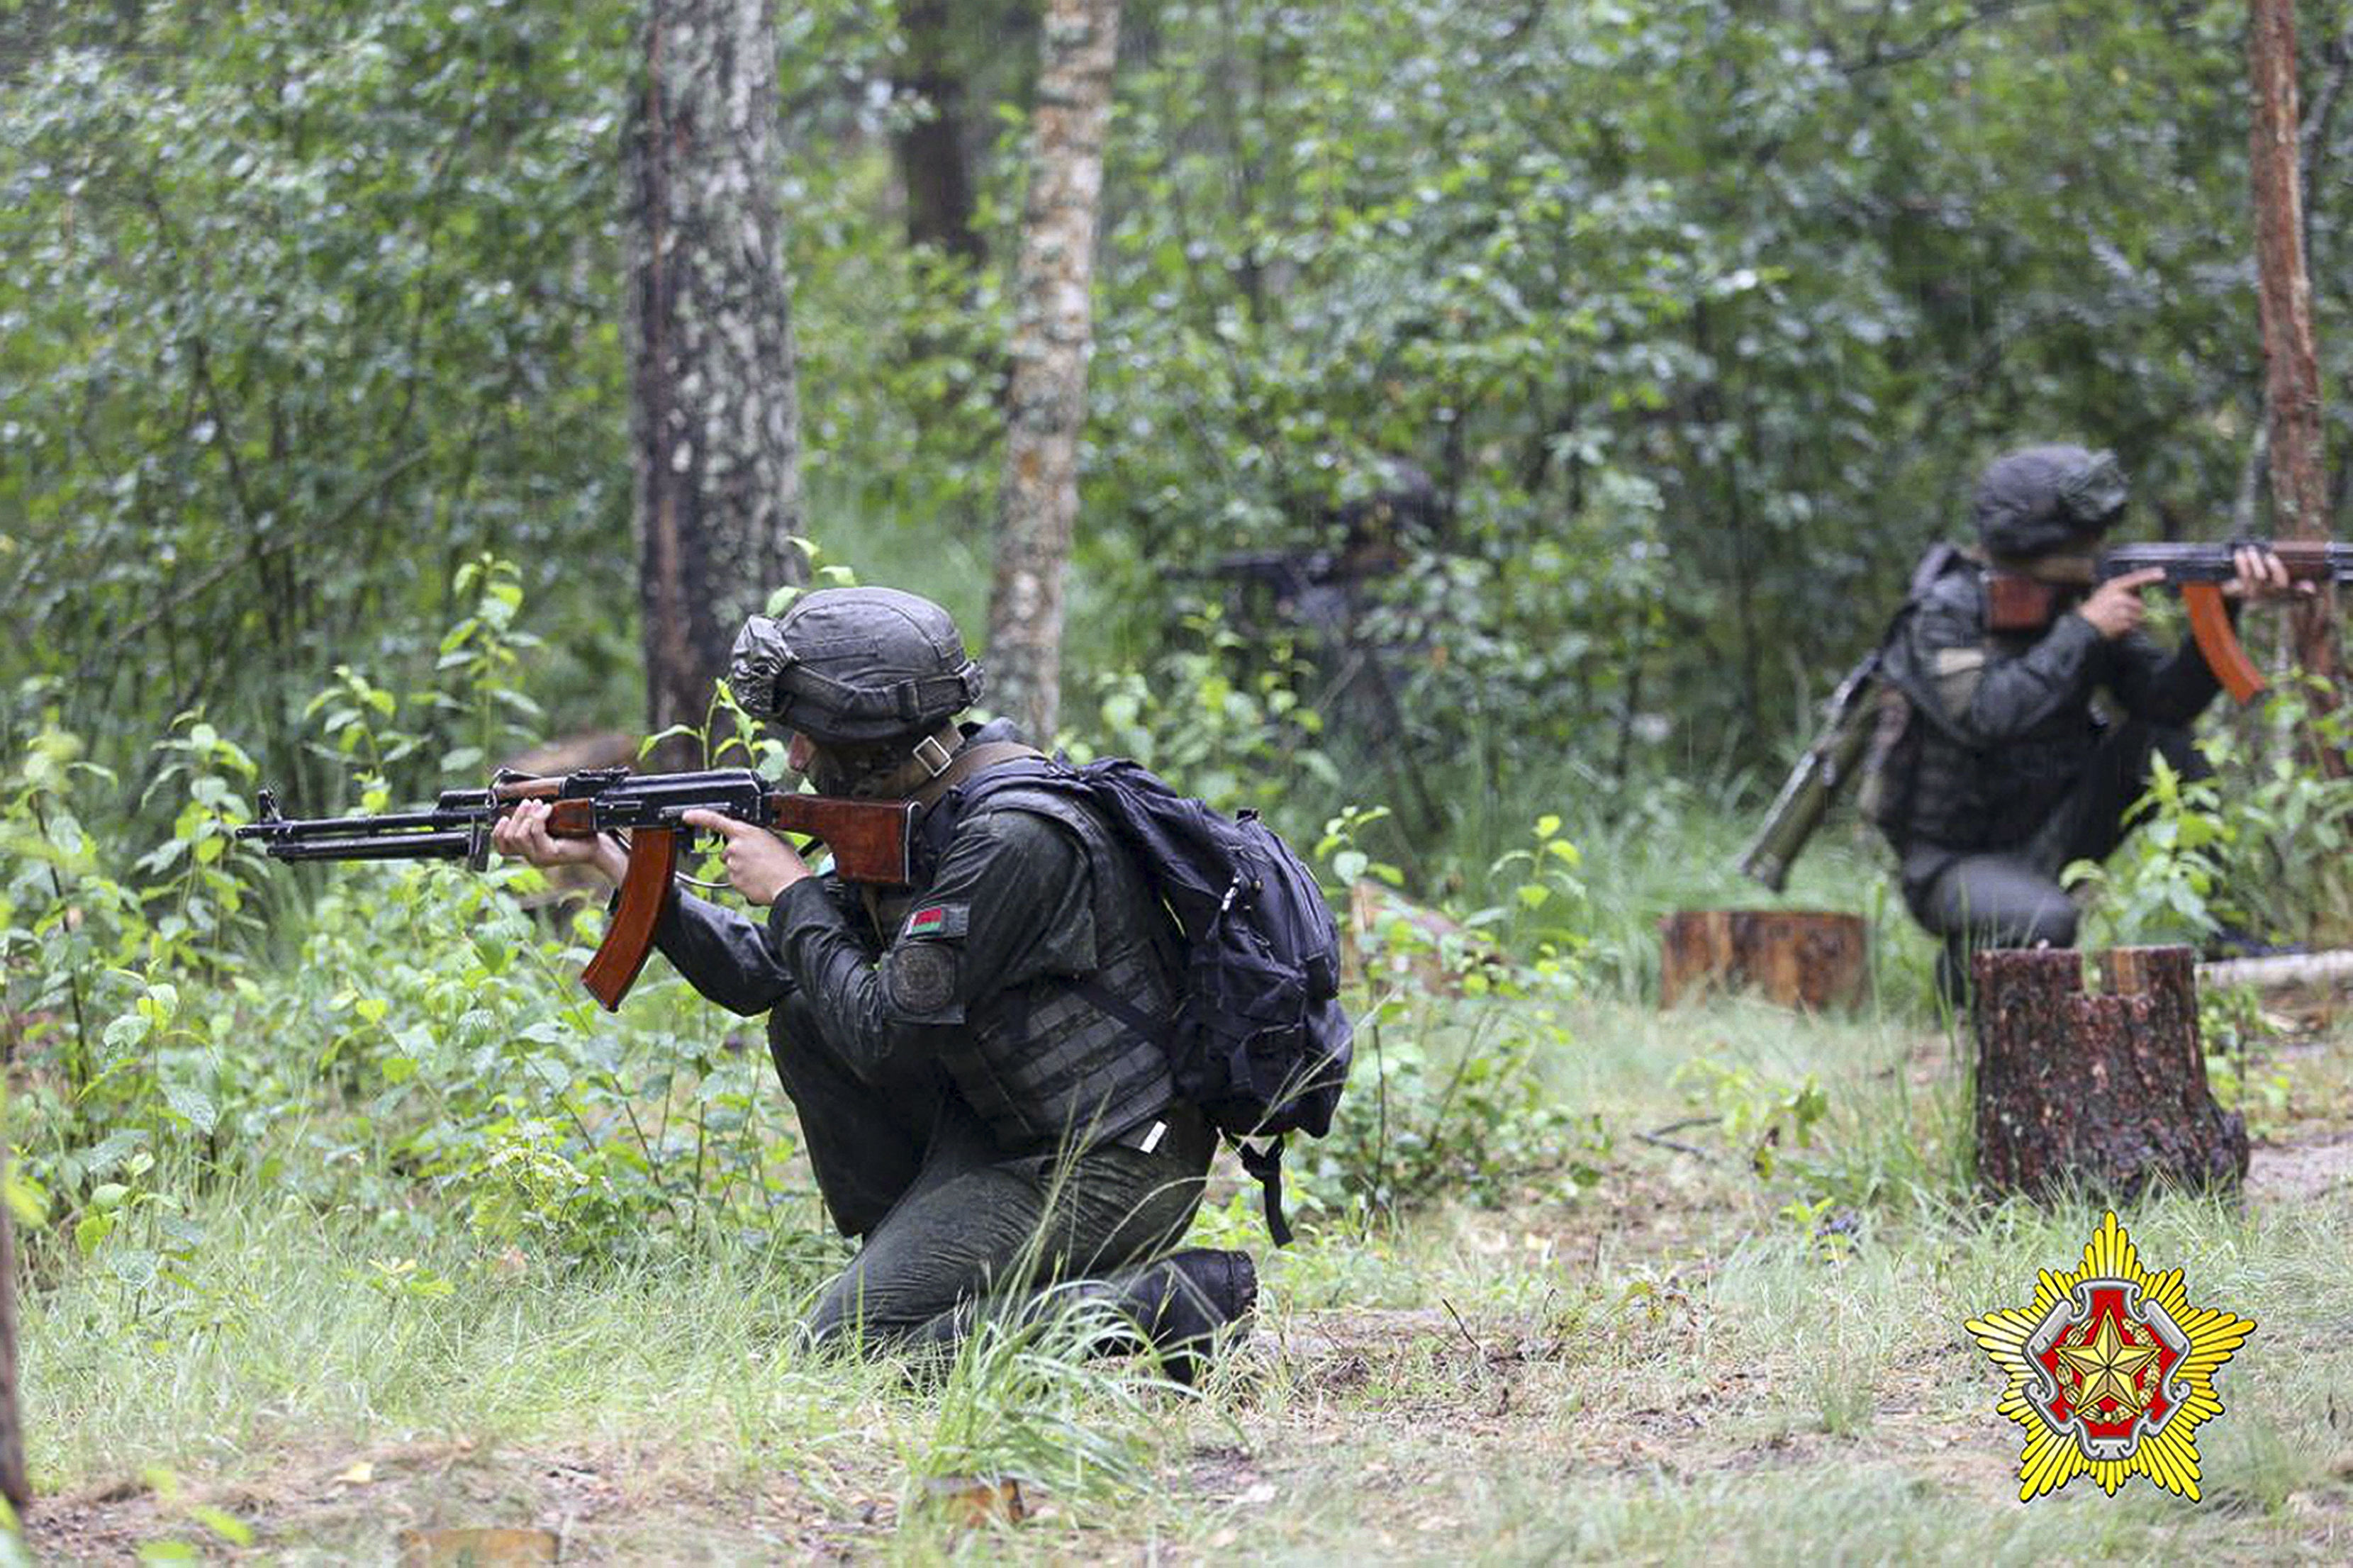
(932, 754)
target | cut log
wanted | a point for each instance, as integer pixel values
(2280, 971)
(2104, 1093)
(1799, 957)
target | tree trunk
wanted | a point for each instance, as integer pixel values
(1799, 957)
(933, 159)
(2103, 1092)
(714, 410)
(1052, 329)
(2292, 374)
(15, 1484)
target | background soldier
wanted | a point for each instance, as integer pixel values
(974, 1059)
(2024, 752)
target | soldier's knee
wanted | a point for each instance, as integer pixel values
(2049, 921)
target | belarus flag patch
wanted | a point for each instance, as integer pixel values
(934, 920)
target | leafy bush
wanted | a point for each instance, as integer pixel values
(1459, 1015)
(2258, 849)
(413, 1031)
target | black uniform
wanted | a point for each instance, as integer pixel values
(2031, 750)
(973, 1063)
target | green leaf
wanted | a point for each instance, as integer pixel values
(91, 1231)
(191, 1106)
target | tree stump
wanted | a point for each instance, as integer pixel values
(2105, 1092)
(1799, 957)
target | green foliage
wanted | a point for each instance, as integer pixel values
(1701, 318)
(2167, 885)
(1031, 1401)
(1229, 740)
(416, 1029)
(2259, 849)
(1449, 1096)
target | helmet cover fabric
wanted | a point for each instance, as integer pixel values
(848, 666)
(2041, 498)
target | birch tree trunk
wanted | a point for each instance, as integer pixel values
(1052, 337)
(2292, 374)
(714, 413)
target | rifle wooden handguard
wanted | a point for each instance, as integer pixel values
(629, 935)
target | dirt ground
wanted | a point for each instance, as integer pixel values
(1405, 1404)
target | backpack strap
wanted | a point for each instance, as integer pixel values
(1266, 1165)
(968, 761)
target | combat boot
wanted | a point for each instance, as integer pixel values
(1183, 1302)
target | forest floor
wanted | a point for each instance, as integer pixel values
(1689, 1360)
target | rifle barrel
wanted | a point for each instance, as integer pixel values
(334, 827)
(448, 844)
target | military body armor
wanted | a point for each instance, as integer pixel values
(1075, 1056)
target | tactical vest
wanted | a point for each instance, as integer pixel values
(1974, 798)
(1076, 1058)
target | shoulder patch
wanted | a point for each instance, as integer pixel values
(938, 920)
(920, 978)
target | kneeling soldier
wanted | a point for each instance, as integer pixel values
(974, 1058)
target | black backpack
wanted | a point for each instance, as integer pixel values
(1260, 1042)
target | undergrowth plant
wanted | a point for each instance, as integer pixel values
(1459, 1016)
(415, 1032)
(2257, 849)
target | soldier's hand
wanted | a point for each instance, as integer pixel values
(522, 835)
(2262, 575)
(2114, 608)
(759, 864)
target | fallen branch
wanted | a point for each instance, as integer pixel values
(1658, 1135)
(2285, 969)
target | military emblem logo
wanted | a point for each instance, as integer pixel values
(2111, 1371)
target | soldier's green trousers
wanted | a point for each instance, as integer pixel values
(2013, 898)
(951, 1226)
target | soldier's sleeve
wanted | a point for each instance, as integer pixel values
(1009, 886)
(1984, 696)
(2163, 688)
(723, 953)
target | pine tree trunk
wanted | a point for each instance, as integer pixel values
(715, 409)
(2299, 479)
(2107, 1092)
(933, 160)
(1053, 331)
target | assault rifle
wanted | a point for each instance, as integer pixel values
(2018, 603)
(869, 839)
(1820, 777)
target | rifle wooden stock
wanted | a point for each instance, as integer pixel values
(871, 840)
(630, 936)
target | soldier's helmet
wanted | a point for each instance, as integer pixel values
(847, 667)
(2039, 498)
